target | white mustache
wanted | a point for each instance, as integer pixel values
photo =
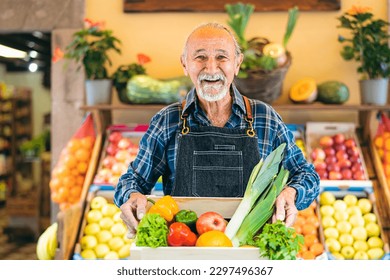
(208, 77)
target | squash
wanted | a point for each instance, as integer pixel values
(333, 92)
(304, 91)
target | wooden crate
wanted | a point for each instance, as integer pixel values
(224, 206)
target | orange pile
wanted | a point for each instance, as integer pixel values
(382, 144)
(307, 224)
(67, 177)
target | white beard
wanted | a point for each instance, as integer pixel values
(207, 91)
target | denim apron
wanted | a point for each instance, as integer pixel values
(215, 161)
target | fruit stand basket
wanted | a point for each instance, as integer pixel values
(343, 153)
(355, 215)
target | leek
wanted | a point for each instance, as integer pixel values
(262, 211)
(263, 173)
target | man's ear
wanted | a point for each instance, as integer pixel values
(239, 61)
(183, 64)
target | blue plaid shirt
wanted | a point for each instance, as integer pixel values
(158, 148)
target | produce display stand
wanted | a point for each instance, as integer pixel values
(69, 221)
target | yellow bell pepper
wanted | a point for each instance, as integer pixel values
(166, 207)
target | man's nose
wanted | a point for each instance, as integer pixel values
(212, 65)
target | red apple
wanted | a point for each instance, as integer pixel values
(346, 173)
(326, 141)
(335, 175)
(108, 161)
(356, 167)
(329, 151)
(339, 147)
(119, 168)
(124, 143)
(333, 167)
(350, 142)
(345, 163)
(330, 159)
(111, 149)
(323, 174)
(339, 138)
(354, 159)
(318, 154)
(319, 165)
(353, 151)
(122, 156)
(341, 155)
(359, 175)
(115, 137)
(210, 221)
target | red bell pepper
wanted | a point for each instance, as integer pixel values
(181, 235)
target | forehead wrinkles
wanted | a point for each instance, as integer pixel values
(217, 51)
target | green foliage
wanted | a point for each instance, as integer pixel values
(254, 60)
(124, 73)
(368, 43)
(152, 231)
(35, 146)
(278, 242)
(91, 46)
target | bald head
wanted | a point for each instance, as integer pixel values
(211, 29)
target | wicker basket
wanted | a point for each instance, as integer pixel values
(266, 87)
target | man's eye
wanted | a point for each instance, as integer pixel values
(221, 57)
(200, 57)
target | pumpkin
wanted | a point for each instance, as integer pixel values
(304, 91)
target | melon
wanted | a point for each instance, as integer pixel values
(333, 92)
(304, 91)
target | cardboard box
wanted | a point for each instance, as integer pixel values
(315, 130)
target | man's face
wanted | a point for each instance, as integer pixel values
(211, 62)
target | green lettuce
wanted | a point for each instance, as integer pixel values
(152, 231)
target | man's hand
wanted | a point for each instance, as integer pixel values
(132, 212)
(285, 207)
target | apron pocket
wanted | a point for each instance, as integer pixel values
(218, 174)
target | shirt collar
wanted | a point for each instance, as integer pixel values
(238, 100)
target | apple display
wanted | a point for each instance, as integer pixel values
(353, 151)
(327, 198)
(333, 167)
(345, 163)
(330, 160)
(372, 229)
(375, 242)
(333, 245)
(350, 142)
(210, 221)
(360, 255)
(115, 136)
(326, 141)
(97, 202)
(109, 210)
(329, 151)
(365, 205)
(335, 175)
(124, 143)
(108, 161)
(322, 173)
(375, 253)
(111, 149)
(88, 242)
(339, 138)
(318, 154)
(359, 233)
(341, 155)
(369, 217)
(360, 245)
(112, 255)
(340, 148)
(319, 165)
(346, 174)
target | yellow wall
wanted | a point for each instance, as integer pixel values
(314, 44)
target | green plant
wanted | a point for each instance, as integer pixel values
(91, 46)
(124, 72)
(260, 55)
(278, 242)
(368, 43)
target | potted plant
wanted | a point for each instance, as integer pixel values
(368, 45)
(124, 72)
(265, 63)
(90, 47)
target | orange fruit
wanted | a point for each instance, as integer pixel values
(87, 142)
(82, 167)
(313, 220)
(308, 255)
(316, 248)
(300, 220)
(309, 229)
(298, 229)
(307, 212)
(213, 238)
(310, 239)
(70, 161)
(378, 142)
(82, 155)
(73, 145)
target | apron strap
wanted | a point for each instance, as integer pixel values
(248, 117)
(183, 117)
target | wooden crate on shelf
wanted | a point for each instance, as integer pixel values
(22, 205)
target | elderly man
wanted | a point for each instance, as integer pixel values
(208, 144)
